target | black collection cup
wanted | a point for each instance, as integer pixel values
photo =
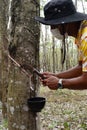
(36, 104)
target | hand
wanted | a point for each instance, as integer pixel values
(45, 75)
(51, 82)
(48, 74)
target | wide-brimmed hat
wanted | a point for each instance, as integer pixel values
(60, 12)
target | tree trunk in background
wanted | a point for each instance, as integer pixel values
(3, 56)
(76, 4)
(83, 6)
(67, 56)
(24, 48)
(44, 50)
(53, 48)
(62, 55)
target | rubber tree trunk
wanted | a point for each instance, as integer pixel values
(3, 56)
(24, 48)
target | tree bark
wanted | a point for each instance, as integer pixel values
(24, 48)
(3, 58)
(53, 53)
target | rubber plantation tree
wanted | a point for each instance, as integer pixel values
(3, 56)
(24, 49)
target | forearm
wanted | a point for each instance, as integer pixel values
(78, 83)
(71, 73)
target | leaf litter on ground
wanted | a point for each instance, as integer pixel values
(64, 110)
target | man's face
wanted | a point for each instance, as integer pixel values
(70, 28)
(57, 27)
(58, 31)
(61, 27)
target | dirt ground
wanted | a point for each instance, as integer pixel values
(64, 109)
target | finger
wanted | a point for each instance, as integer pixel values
(45, 73)
(44, 83)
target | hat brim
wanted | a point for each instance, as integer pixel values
(68, 19)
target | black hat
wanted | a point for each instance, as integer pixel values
(60, 12)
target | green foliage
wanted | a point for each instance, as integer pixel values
(4, 125)
(66, 126)
(52, 125)
(84, 126)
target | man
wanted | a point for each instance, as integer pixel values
(62, 16)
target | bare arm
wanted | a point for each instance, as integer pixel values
(72, 79)
(71, 73)
(78, 83)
